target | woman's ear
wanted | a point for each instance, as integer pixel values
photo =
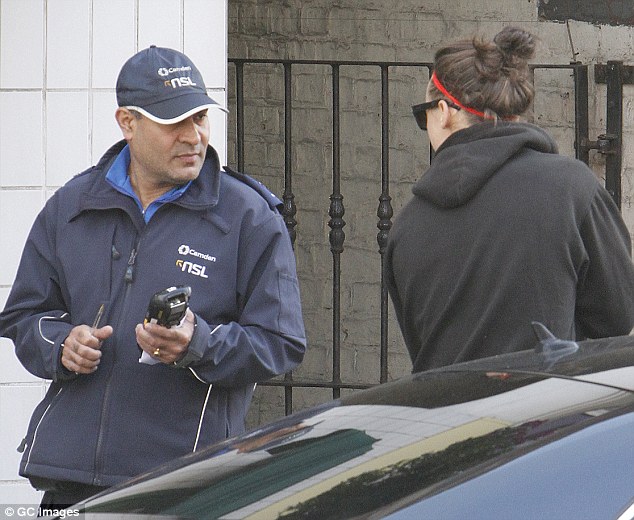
(446, 114)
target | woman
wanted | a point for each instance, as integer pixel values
(501, 231)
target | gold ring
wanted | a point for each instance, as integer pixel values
(157, 352)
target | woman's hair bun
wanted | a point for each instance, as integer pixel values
(514, 42)
(490, 76)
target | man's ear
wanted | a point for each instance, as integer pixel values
(126, 121)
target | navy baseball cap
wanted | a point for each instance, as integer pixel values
(162, 84)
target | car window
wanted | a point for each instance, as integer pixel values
(586, 475)
(367, 459)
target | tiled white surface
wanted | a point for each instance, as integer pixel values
(12, 371)
(218, 126)
(67, 141)
(205, 25)
(19, 493)
(57, 118)
(21, 148)
(113, 39)
(18, 209)
(107, 132)
(160, 23)
(21, 43)
(16, 405)
(68, 44)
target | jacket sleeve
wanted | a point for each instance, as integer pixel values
(605, 289)
(267, 338)
(35, 316)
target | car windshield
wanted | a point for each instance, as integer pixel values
(374, 456)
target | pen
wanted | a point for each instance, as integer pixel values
(95, 323)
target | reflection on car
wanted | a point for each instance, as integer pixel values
(543, 434)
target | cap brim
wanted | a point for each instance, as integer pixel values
(176, 109)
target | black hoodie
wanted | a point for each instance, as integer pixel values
(503, 231)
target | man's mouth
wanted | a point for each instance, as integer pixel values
(188, 157)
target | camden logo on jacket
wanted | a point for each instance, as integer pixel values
(191, 267)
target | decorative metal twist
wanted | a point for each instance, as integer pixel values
(289, 212)
(336, 223)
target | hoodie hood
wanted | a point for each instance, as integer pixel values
(469, 157)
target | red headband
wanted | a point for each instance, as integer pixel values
(440, 87)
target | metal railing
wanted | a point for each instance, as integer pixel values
(337, 209)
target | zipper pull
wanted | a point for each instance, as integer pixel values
(22, 446)
(129, 272)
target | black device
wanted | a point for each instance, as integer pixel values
(168, 307)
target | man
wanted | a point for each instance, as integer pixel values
(155, 212)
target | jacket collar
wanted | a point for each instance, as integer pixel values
(202, 194)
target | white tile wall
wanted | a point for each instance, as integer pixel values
(160, 24)
(21, 122)
(107, 132)
(18, 209)
(67, 136)
(113, 39)
(68, 44)
(203, 44)
(20, 493)
(16, 405)
(12, 371)
(59, 60)
(218, 125)
(21, 43)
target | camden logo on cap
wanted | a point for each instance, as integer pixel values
(166, 72)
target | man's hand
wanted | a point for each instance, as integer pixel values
(166, 345)
(80, 352)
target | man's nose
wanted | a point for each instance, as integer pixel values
(189, 131)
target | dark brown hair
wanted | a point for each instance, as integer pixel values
(492, 77)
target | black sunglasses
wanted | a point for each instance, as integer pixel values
(420, 111)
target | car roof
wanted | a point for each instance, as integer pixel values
(479, 415)
(606, 361)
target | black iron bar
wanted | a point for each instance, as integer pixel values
(614, 128)
(580, 77)
(336, 235)
(297, 383)
(385, 213)
(240, 114)
(289, 210)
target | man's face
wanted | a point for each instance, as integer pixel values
(168, 155)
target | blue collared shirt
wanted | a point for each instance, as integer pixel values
(118, 177)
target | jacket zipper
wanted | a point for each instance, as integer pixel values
(129, 278)
(28, 459)
(129, 272)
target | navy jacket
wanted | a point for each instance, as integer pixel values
(503, 231)
(90, 246)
